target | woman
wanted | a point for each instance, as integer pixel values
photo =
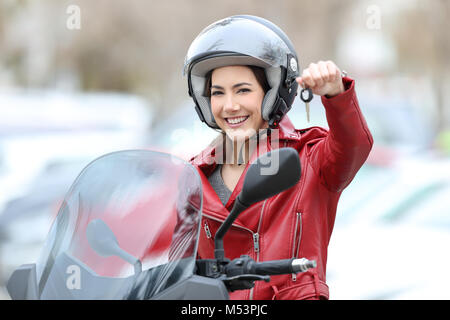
(243, 77)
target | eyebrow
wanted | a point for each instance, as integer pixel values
(235, 86)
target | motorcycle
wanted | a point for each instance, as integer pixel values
(129, 227)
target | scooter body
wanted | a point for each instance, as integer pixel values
(129, 229)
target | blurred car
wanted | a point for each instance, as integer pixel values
(388, 262)
(384, 193)
(46, 111)
(25, 220)
(43, 125)
(431, 210)
(47, 138)
(182, 133)
(434, 215)
(392, 243)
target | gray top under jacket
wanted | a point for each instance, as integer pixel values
(216, 181)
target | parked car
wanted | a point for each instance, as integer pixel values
(43, 125)
(392, 244)
(46, 139)
(181, 133)
(384, 193)
(388, 262)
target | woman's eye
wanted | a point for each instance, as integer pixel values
(216, 93)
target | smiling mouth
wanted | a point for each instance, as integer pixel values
(236, 120)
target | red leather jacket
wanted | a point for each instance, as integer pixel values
(299, 221)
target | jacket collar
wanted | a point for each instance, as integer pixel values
(206, 159)
(206, 163)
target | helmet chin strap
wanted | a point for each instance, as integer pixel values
(279, 110)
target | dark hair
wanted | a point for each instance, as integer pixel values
(259, 73)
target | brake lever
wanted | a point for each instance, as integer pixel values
(248, 277)
(243, 281)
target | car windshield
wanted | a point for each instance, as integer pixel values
(151, 205)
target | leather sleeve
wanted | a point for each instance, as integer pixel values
(338, 157)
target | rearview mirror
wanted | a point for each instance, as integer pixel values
(103, 241)
(260, 184)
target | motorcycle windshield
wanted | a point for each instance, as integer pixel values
(127, 229)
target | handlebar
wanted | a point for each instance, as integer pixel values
(246, 265)
(241, 272)
(277, 267)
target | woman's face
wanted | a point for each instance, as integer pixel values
(236, 98)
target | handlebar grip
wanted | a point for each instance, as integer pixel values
(303, 264)
(286, 266)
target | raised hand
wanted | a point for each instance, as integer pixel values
(323, 78)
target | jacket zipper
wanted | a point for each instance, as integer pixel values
(299, 234)
(255, 236)
(256, 242)
(296, 244)
(221, 221)
(207, 231)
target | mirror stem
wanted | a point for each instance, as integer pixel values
(137, 268)
(130, 259)
(238, 207)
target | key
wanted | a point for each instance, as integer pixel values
(307, 111)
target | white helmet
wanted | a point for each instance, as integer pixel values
(244, 40)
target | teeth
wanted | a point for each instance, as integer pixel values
(236, 120)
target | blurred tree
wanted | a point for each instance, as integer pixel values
(139, 46)
(422, 38)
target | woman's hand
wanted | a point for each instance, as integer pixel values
(323, 78)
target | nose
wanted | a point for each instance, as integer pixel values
(231, 105)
